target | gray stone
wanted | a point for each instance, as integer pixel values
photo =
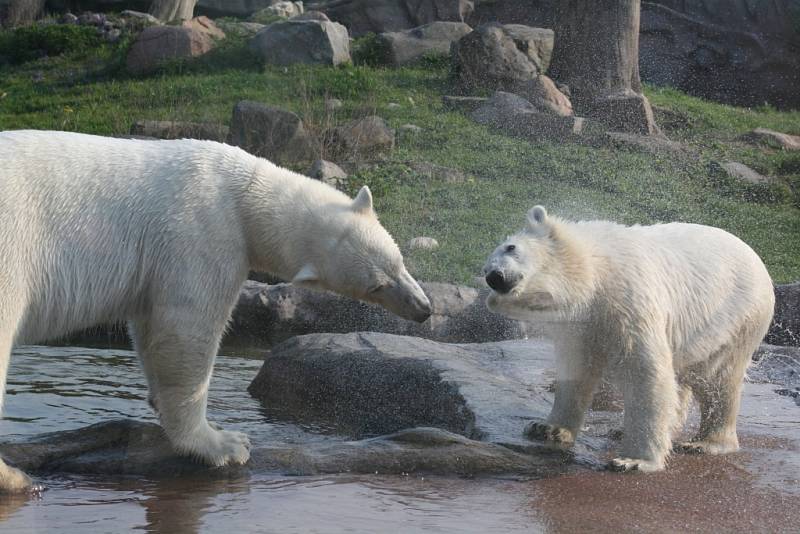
(536, 43)
(380, 16)
(306, 41)
(328, 172)
(517, 117)
(422, 243)
(785, 328)
(180, 130)
(363, 137)
(157, 44)
(488, 58)
(545, 96)
(772, 139)
(270, 132)
(740, 171)
(269, 314)
(464, 104)
(430, 40)
(371, 384)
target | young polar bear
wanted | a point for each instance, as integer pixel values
(162, 234)
(667, 311)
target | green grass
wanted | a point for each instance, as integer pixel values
(505, 176)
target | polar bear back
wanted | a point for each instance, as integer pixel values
(88, 220)
(702, 282)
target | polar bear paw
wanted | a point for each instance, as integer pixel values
(550, 433)
(217, 448)
(633, 464)
(705, 447)
(12, 480)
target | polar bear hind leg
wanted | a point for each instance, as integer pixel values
(719, 396)
(177, 354)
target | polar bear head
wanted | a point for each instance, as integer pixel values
(538, 271)
(348, 251)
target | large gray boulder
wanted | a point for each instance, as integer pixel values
(379, 16)
(158, 44)
(535, 43)
(303, 41)
(272, 133)
(498, 57)
(269, 314)
(362, 137)
(364, 384)
(430, 40)
(488, 58)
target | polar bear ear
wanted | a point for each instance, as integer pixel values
(537, 217)
(306, 276)
(363, 201)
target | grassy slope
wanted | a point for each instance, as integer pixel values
(506, 176)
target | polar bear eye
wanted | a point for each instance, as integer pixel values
(511, 248)
(377, 288)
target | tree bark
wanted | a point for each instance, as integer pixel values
(596, 54)
(171, 10)
(20, 12)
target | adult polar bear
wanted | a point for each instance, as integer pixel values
(162, 234)
(668, 311)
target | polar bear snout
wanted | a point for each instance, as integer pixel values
(502, 282)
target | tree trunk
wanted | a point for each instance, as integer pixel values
(19, 12)
(596, 54)
(171, 10)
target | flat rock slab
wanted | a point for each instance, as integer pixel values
(127, 447)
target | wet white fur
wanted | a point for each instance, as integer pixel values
(162, 234)
(668, 311)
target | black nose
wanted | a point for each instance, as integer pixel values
(498, 282)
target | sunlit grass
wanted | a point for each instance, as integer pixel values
(505, 176)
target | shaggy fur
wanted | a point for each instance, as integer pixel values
(667, 311)
(162, 234)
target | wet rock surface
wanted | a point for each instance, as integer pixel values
(785, 328)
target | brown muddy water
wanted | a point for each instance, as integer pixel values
(50, 389)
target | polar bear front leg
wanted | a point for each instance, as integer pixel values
(12, 480)
(578, 373)
(651, 407)
(178, 357)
